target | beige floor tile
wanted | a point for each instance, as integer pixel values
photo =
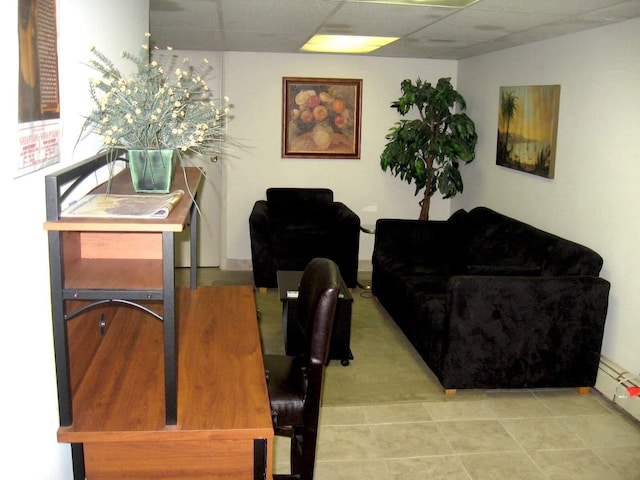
(461, 408)
(610, 430)
(624, 460)
(402, 440)
(477, 436)
(542, 433)
(341, 443)
(431, 468)
(348, 470)
(347, 415)
(500, 466)
(568, 402)
(396, 413)
(573, 465)
(516, 404)
(281, 449)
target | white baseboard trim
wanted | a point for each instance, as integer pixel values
(612, 382)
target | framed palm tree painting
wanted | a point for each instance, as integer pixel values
(528, 128)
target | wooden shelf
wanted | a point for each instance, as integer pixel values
(91, 274)
(187, 179)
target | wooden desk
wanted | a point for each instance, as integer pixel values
(223, 404)
(150, 384)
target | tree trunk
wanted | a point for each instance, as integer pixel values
(424, 206)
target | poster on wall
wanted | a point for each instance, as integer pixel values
(38, 91)
(528, 128)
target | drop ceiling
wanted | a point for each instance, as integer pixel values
(425, 31)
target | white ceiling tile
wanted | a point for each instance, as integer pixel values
(381, 19)
(557, 7)
(425, 32)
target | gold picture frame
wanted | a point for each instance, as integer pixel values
(528, 128)
(321, 117)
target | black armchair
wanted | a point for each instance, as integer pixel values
(295, 225)
(295, 383)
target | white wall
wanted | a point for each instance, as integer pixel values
(29, 399)
(594, 197)
(254, 84)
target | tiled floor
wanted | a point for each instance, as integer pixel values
(501, 435)
(508, 435)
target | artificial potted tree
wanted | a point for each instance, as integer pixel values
(157, 114)
(428, 150)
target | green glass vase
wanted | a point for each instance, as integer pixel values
(152, 170)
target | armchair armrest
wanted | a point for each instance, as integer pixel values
(347, 225)
(345, 217)
(261, 257)
(524, 331)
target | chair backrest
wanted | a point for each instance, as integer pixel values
(317, 300)
(299, 205)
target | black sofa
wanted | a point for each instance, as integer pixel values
(491, 302)
(295, 225)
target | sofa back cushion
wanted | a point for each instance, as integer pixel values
(493, 242)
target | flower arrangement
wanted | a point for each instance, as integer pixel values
(156, 107)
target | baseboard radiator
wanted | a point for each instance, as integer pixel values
(620, 386)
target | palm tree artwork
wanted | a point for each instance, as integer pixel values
(527, 128)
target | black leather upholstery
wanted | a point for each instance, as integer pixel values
(294, 225)
(295, 383)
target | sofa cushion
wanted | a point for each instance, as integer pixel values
(497, 240)
(513, 270)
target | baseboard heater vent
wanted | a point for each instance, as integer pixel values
(619, 385)
(628, 384)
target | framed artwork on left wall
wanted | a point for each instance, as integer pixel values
(321, 117)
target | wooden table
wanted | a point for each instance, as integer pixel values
(224, 427)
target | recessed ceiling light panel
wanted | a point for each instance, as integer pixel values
(345, 44)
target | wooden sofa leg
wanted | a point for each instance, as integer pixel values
(583, 390)
(262, 289)
(450, 391)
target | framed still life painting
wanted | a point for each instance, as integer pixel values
(528, 128)
(321, 117)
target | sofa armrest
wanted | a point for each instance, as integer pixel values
(524, 331)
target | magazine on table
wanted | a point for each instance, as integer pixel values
(124, 206)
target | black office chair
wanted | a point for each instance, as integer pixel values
(295, 383)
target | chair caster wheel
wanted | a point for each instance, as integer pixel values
(344, 362)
